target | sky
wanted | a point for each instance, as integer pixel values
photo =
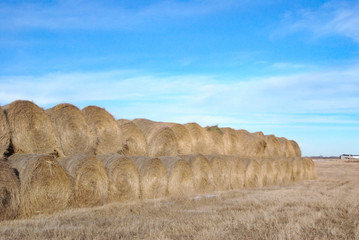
(288, 68)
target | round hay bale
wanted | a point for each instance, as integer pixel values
(183, 138)
(237, 171)
(272, 146)
(90, 181)
(199, 138)
(279, 171)
(255, 145)
(134, 138)
(4, 134)
(153, 177)
(180, 176)
(298, 152)
(268, 172)
(31, 129)
(202, 173)
(108, 133)
(45, 186)
(254, 175)
(231, 142)
(75, 135)
(161, 140)
(286, 148)
(215, 141)
(123, 176)
(298, 169)
(9, 192)
(221, 172)
(312, 174)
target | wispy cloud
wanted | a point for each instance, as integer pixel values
(102, 15)
(332, 18)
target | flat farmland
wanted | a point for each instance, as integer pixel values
(325, 208)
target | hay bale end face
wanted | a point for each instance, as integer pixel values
(31, 129)
(75, 135)
(123, 176)
(299, 168)
(9, 192)
(90, 181)
(237, 171)
(268, 172)
(109, 136)
(199, 138)
(215, 140)
(221, 172)
(45, 186)
(180, 176)
(202, 173)
(136, 144)
(153, 177)
(254, 175)
(4, 134)
(183, 138)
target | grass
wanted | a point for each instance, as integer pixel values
(326, 208)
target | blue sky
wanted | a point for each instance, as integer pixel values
(289, 68)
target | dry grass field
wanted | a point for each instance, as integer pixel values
(326, 208)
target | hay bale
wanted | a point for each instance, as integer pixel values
(4, 134)
(45, 186)
(231, 142)
(215, 141)
(9, 192)
(221, 172)
(298, 168)
(109, 136)
(75, 135)
(272, 146)
(199, 138)
(124, 179)
(286, 148)
(237, 171)
(153, 177)
(311, 171)
(183, 138)
(298, 152)
(268, 172)
(180, 176)
(31, 129)
(161, 140)
(279, 171)
(255, 145)
(202, 172)
(136, 144)
(254, 175)
(90, 181)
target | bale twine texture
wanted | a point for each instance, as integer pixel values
(4, 134)
(45, 186)
(108, 133)
(202, 172)
(134, 138)
(180, 176)
(31, 129)
(75, 135)
(123, 176)
(153, 177)
(90, 181)
(9, 192)
(161, 140)
(221, 172)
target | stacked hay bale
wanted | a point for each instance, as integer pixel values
(153, 177)
(124, 180)
(215, 140)
(135, 140)
(89, 179)
(254, 174)
(298, 152)
(299, 168)
(256, 145)
(272, 146)
(9, 192)
(4, 134)
(31, 129)
(311, 172)
(237, 171)
(180, 176)
(221, 172)
(183, 138)
(161, 140)
(108, 133)
(199, 138)
(286, 148)
(45, 186)
(268, 172)
(230, 142)
(75, 135)
(202, 172)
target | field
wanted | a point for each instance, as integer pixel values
(326, 208)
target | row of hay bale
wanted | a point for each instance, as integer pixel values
(32, 184)
(65, 130)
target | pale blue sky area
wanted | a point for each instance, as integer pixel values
(289, 68)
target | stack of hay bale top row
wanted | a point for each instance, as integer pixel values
(66, 157)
